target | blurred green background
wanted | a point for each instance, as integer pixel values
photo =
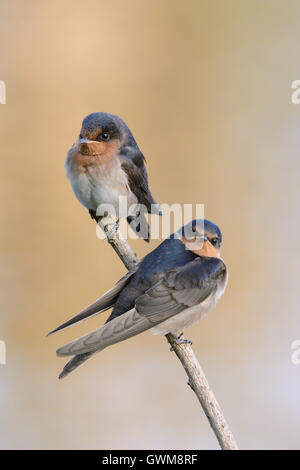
(205, 87)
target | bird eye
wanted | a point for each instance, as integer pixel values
(104, 136)
(214, 241)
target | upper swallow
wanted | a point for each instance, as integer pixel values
(169, 290)
(105, 163)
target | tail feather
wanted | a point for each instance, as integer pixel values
(155, 208)
(75, 362)
(120, 328)
(104, 302)
(138, 223)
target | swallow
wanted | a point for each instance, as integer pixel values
(105, 163)
(172, 288)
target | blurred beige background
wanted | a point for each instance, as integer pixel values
(205, 87)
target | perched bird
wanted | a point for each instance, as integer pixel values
(106, 163)
(168, 291)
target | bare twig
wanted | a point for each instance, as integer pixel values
(119, 244)
(184, 352)
(200, 386)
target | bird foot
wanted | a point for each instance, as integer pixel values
(109, 226)
(181, 340)
(112, 229)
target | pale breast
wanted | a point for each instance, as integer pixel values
(191, 315)
(99, 184)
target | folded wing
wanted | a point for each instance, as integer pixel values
(182, 287)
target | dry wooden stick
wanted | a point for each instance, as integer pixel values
(205, 395)
(118, 242)
(184, 352)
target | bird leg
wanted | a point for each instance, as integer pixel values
(111, 229)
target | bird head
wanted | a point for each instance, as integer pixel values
(101, 134)
(202, 237)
